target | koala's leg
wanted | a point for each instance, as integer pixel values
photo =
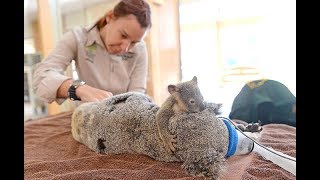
(254, 127)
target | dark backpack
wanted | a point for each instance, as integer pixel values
(266, 100)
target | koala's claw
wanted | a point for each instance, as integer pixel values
(167, 147)
(170, 144)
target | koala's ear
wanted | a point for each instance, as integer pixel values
(219, 105)
(217, 109)
(172, 88)
(194, 79)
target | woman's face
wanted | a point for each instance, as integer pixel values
(121, 34)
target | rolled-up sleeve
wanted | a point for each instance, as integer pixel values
(50, 73)
(138, 79)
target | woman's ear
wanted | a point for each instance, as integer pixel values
(109, 16)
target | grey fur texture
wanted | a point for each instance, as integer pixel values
(125, 123)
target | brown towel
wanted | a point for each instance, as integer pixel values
(50, 152)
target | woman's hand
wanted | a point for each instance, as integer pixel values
(90, 94)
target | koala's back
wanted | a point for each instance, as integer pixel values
(190, 127)
(202, 142)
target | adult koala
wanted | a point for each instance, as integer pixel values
(125, 123)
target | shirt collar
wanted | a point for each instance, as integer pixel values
(93, 36)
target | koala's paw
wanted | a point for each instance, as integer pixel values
(253, 127)
(170, 143)
(241, 127)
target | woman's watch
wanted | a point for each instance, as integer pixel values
(72, 89)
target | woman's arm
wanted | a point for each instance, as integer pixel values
(49, 75)
(85, 92)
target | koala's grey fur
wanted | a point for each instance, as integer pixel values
(125, 123)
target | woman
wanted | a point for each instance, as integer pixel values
(110, 57)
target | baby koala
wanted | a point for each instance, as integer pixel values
(184, 97)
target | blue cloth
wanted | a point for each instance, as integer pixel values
(233, 139)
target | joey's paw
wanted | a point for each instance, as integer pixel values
(170, 144)
(173, 143)
(241, 127)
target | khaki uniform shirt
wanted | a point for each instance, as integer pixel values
(113, 73)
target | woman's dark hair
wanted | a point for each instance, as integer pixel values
(138, 8)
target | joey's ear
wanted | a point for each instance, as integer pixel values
(219, 105)
(194, 79)
(217, 109)
(172, 88)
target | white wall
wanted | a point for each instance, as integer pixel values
(276, 47)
